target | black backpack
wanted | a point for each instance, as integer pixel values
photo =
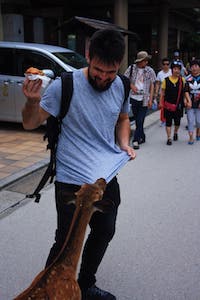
(53, 127)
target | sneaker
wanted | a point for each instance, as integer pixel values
(136, 145)
(169, 142)
(175, 138)
(95, 293)
(141, 141)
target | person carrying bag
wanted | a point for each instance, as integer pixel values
(171, 100)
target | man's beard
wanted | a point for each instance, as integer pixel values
(95, 85)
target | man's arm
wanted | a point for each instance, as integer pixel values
(157, 87)
(123, 134)
(187, 100)
(151, 93)
(162, 95)
(32, 114)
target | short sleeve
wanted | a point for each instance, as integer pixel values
(163, 85)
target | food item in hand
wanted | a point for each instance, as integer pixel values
(34, 73)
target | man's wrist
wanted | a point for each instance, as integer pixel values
(32, 102)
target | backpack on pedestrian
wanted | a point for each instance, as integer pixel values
(53, 127)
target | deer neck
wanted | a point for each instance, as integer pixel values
(72, 247)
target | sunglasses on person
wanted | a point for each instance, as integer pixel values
(165, 64)
(176, 63)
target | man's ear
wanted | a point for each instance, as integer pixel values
(87, 57)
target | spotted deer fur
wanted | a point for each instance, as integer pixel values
(58, 281)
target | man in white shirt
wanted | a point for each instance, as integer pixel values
(165, 72)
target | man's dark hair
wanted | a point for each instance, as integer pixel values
(195, 62)
(107, 45)
(165, 59)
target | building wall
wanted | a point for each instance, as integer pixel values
(40, 23)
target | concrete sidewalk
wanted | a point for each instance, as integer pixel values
(23, 154)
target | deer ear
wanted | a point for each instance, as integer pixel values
(104, 206)
(101, 182)
(81, 190)
(71, 201)
(69, 198)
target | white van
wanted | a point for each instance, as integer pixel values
(15, 58)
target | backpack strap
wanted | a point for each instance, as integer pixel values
(179, 90)
(53, 130)
(131, 71)
(126, 83)
(67, 91)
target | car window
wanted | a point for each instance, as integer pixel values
(73, 59)
(30, 58)
(7, 66)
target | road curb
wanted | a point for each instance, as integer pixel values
(23, 173)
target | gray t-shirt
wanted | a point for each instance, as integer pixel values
(86, 148)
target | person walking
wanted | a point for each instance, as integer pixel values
(142, 79)
(176, 58)
(171, 99)
(93, 143)
(162, 74)
(192, 100)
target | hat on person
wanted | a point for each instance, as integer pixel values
(176, 64)
(195, 62)
(142, 55)
(176, 53)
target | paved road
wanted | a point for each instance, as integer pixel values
(155, 252)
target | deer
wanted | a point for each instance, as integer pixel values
(58, 280)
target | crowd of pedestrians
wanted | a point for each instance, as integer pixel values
(175, 88)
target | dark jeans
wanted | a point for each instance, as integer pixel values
(139, 113)
(102, 229)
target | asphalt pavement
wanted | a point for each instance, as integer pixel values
(155, 252)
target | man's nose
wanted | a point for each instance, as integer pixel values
(103, 76)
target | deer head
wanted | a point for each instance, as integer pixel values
(90, 193)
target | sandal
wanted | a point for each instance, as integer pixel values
(169, 142)
(175, 137)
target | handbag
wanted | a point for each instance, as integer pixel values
(170, 106)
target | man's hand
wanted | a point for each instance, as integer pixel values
(32, 90)
(130, 151)
(150, 104)
(133, 88)
(189, 104)
(32, 114)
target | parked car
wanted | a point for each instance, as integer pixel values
(16, 58)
